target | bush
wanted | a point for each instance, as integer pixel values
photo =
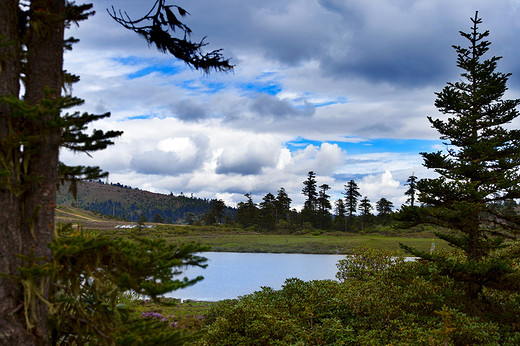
(296, 313)
(366, 263)
(381, 299)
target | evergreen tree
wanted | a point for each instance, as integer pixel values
(412, 189)
(190, 219)
(341, 211)
(157, 218)
(310, 191)
(282, 205)
(479, 169)
(33, 128)
(247, 212)
(215, 215)
(268, 211)
(365, 209)
(324, 206)
(384, 210)
(141, 221)
(351, 198)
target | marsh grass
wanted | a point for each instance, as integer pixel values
(228, 239)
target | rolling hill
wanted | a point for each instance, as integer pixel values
(127, 203)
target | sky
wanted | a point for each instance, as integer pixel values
(339, 87)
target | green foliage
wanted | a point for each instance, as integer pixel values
(366, 263)
(381, 299)
(297, 314)
(477, 172)
(90, 273)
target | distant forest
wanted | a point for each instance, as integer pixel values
(274, 212)
(132, 204)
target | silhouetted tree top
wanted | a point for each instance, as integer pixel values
(159, 27)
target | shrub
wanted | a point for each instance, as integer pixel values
(365, 263)
(381, 299)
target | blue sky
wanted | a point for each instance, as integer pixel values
(339, 87)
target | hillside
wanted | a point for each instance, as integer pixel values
(87, 219)
(126, 203)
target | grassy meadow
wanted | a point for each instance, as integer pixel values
(235, 239)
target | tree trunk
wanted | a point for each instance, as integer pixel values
(27, 214)
(12, 325)
(44, 81)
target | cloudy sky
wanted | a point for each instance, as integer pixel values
(339, 87)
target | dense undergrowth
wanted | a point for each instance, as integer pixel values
(380, 299)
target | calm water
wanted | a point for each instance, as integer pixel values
(230, 275)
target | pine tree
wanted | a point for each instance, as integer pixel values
(351, 197)
(268, 211)
(340, 212)
(215, 215)
(412, 189)
(479, 170)
(33, 128)
(310, 191)
(384, 209)
(365, 209)
(247, 212)
(282, 205)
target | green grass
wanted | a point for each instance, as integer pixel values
(237, 240)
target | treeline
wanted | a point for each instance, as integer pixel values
(188, 209)
(353, 213)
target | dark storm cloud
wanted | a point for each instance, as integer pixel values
(379, 129)
(189, 110)
(273, 106)
(246, 166)
(405, 43)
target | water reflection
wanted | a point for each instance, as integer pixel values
(230, 275)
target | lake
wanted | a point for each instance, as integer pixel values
(230, 275)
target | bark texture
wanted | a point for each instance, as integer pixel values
(27, 195)
(12, 325)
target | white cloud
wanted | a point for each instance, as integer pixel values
(373, 67)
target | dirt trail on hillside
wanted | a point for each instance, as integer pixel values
(79, 216)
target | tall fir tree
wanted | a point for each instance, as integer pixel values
(324, 206)
(412, 189)
(282, 205)
(351, 200)
(216, 213)
(267, 212)
(384, 210)
(340, 212)
(33, 128)
(247, 212)
(479, 169)
(365, 211)
(310, 191)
